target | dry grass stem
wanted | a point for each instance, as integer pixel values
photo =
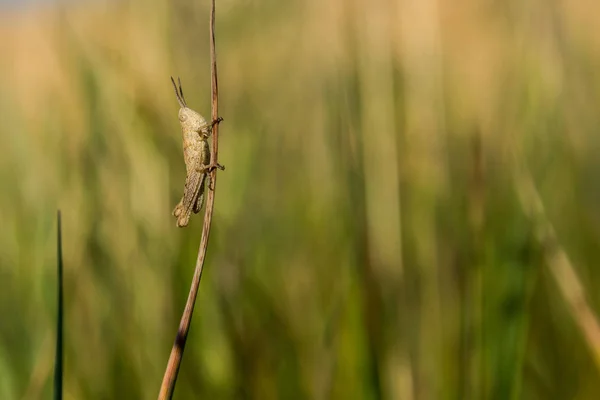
(168, 385)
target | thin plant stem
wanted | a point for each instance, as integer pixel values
(58, 360)
(168, 384)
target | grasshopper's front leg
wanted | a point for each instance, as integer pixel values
(212, 125)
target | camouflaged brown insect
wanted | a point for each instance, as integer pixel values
(196, 154)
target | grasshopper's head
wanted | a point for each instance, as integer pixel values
(189, 119)
(192, 121)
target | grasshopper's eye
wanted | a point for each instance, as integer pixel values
(182, 117)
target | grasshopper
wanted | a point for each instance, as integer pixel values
(196, 154)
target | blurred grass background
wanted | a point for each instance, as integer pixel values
(368, 239)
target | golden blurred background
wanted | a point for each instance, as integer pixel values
(409, 210)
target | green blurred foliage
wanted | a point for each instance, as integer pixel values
(368, 241)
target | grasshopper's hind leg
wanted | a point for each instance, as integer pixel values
(187, 204)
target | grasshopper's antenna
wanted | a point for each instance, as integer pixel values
(181, 92)
(180, 99)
